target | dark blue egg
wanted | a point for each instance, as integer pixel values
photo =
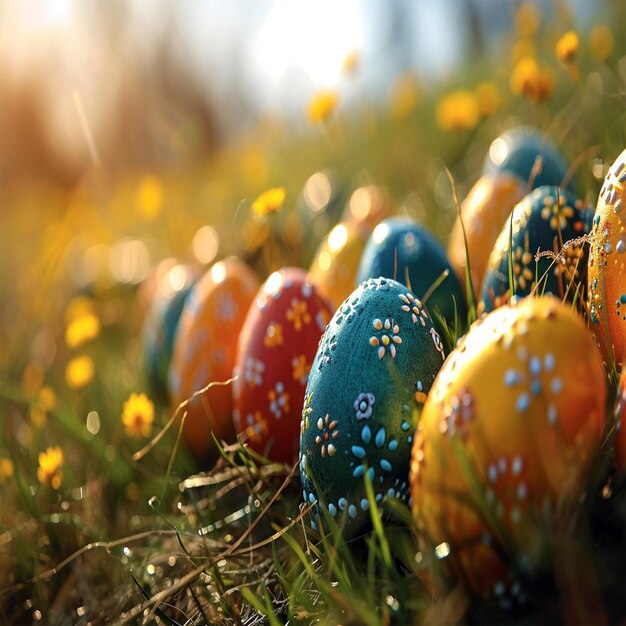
(540, 224)
(375, 364)
(515, 152)
(397, 247)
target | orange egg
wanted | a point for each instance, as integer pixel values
(620, 424)
(204, 351)
(334, 267)
(607, 266)
(505, 442)
(484, 210)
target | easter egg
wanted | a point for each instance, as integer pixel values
(505, 441)
(334, 267)
(484, 212)
(517, 150)
(160, 325)
(204, 351)
(540, 223)
(607, 266)
(276, 348)
(402, 250)
(620, 424)
(376, 362)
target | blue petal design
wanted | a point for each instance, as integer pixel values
(381, 436)
(358, 452)
(366, 434)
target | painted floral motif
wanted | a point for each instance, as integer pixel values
(458, 415)
(256, 426)
(389, 337)
(506, 491)
(365, 461)
(570, 263)
(414, 306)
(226, 308)
(253, 374)
(300, 369)
(438, 343)
(298, 314)
(522, 259)
(279, 400)
(327, 435)
(363, 405)
(557, 213)
(273, 335)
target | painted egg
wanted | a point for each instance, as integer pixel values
(160, 325)
(620, 424)
(607, 266)
(205, 348)
(376, 361)
(505, 442)
(540, 223)
(334, 267)
(484, 212)
(517, 150)
(402, 250)
(276, 347)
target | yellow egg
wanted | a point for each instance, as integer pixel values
(607, 266)
(484, 211)
(505, 442)
(337, 259)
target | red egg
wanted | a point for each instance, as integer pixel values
(276, 349)
(205, 348)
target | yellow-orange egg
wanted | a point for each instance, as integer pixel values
(484, 212)
(204, 351)
(607, 266)
(334, 267)
(620, 424)
(505, 442)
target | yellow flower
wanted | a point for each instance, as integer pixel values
(600, 42)
(322, 105)
(32, 378)
(269, 201)
(49, 470)
(522, 48)
(78, 307)
(567, 46)
(350, 63)
(458, 110)
(527, 18)
(531, 81)
(150, 197)
(46, 400)
(138, 415)
(81, 330)
(6, 468)
(488, 96)
(79, 372)
(404, 95)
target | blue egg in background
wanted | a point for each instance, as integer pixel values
(399, 246)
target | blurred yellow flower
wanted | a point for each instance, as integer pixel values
(322, 106)
(32, 378)
(350, 63)
(46, 401)
(138, 415)
(78, 307)
(79, 372)
(270, 201)
(527, 18)
(567, 46)
(600, 42)
(488, 96)
(531, 81)
(81, 330)
(404, 95)
(49, 470)
(150, 197)
(6, 468)
(458, 110)
(523, 48)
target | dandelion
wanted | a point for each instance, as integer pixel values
(6, 468)
(531, 81)
(322, 106)
(49, 470)
(527, 18)
(600, 42)
(46, 400)
(350, 63)
(81, 330)
(567, 46)
(488, 97)
(79, 372)
(138, 415)
(458, 110)
(270, 201)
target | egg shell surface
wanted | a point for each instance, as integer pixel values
(399, 246)
(205, 348)
(506, 439)
(376, 362)
(620, 424)
(334, 267)
(515, 152)
(484, 212)
(276, 348)
(607, 266)
(540, 223)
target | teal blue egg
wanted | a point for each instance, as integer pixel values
(405, 251)
(516, 152)
(540, 224)
(374, 366)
